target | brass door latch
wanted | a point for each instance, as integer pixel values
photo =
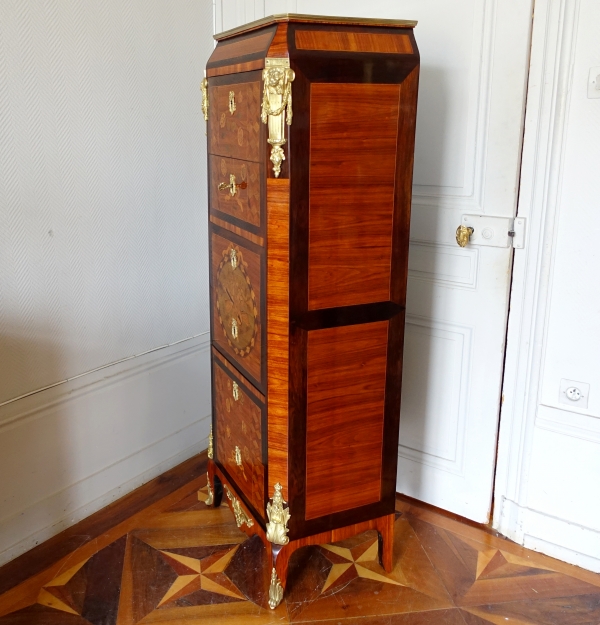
(463, 234)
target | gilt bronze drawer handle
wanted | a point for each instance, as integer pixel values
(233, 186)
(240, 516)
(238, 456)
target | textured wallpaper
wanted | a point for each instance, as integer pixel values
(103, 243)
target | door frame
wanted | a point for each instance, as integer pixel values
(552, 56)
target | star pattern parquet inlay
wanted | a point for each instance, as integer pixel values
(181, 562)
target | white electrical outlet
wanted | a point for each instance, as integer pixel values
(593, 90)
(574, 394)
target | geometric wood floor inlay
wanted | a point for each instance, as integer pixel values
(178, 561)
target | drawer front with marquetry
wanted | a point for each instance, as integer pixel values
(234, 119)
(236, 192)
(237, 276)
(238, 420)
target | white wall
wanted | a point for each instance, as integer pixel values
(104, 313)
(547, 493)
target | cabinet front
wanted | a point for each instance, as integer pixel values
(236, 191)
(237, 294)
(238, 416)
(234, 118)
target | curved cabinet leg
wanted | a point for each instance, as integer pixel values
(280, 557)
(218, 491)
(215, 487)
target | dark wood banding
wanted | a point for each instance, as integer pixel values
(235, 68)
(353, 42)
(237, 230)
(346, 315)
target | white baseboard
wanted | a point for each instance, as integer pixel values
(73, 449)
(547, 534)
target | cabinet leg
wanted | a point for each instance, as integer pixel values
(279, 565)
(386, 542)
(218, 491)
(215, 487)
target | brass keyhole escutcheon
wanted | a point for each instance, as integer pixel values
(233, 186)
(463, 234)
(236, 391)
(232, 106)
(234, 329)
(238, 456)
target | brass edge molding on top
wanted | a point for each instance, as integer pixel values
(329, 19)
(276, 108)
(278, 518)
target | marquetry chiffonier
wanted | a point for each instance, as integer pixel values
(311, 124)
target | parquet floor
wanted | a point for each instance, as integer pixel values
(179, 562)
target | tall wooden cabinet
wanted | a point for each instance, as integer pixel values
(311, 124)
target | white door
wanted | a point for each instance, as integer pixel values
(474, 57)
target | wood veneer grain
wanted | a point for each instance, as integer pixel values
(239, 424)
(340, 41)
(235, 68)
(235, 135)
(251, 364)
(234, 372)
(242, 46)
(345, 417)
(237, 230)
(279, 45)
(278, 224)
(403, 189)
(245, 205)
(353, 129)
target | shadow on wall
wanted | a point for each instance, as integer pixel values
(35, 458)
(424, 377)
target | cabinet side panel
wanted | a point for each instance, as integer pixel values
(278, 258)
(353, 135)
(345, 417)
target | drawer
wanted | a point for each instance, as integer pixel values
(241, 202)
(237, 301)
(238, 432)
(234, 118)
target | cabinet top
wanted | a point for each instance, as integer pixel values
(315, 19)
